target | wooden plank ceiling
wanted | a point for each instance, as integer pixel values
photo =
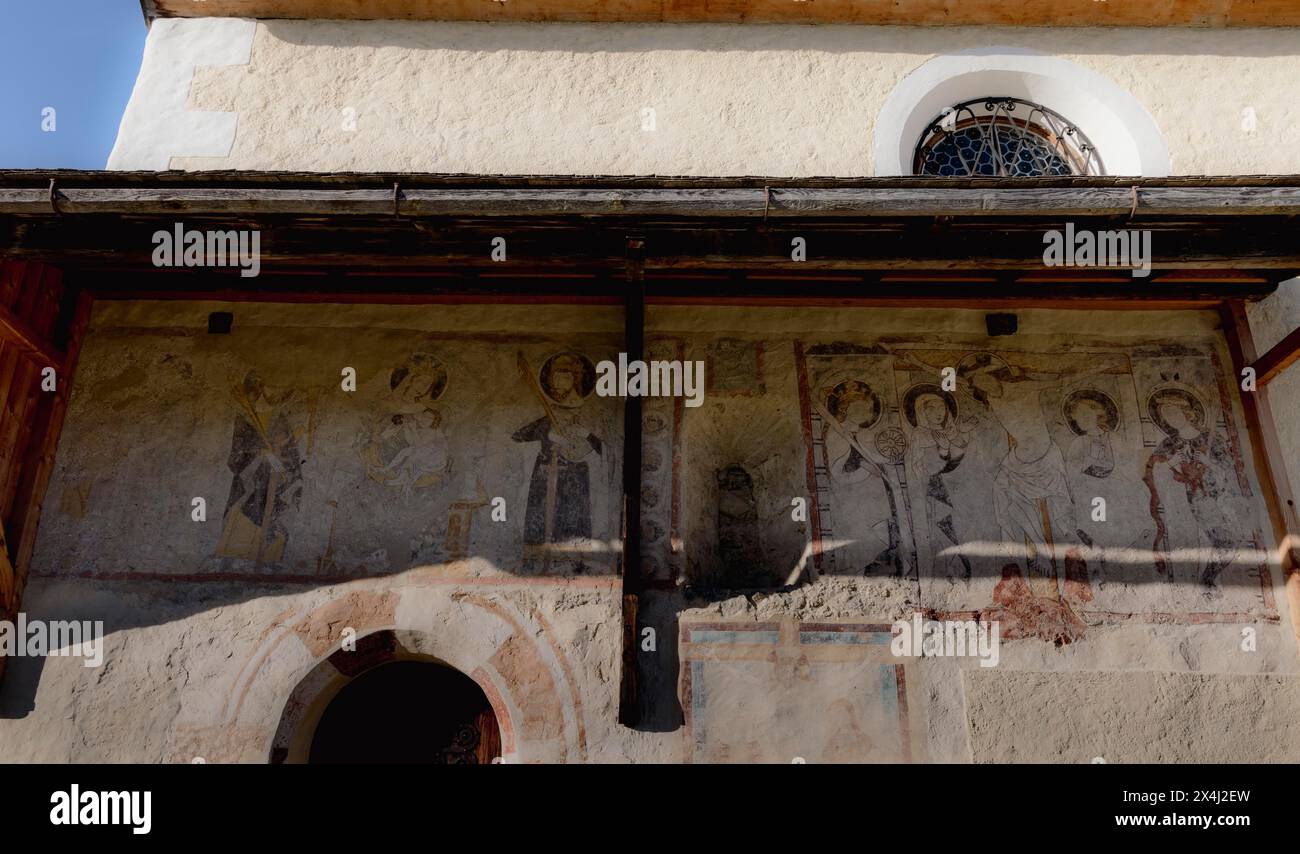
(1033, 13)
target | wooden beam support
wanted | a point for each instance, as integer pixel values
(701, 201)
(634, 345)
(1279, 358)
(1270, 457)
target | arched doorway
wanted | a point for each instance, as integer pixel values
(408, 712)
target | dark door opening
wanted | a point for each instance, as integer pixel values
(408, 712)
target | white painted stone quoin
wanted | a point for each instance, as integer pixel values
(158, 124)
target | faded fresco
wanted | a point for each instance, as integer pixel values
(469, 491)
(472, 453)
(796, 692)
(1049, 490)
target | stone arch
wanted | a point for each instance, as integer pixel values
(505, 645)
(314, 692)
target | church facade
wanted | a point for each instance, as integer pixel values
(344, 459)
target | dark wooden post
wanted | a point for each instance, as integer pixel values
(634, 344)
(38, 314)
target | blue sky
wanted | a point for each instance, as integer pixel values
(79, 57)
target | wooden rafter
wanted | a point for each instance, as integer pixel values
(1279, 358)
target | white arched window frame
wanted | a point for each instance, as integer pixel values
(1126, 137)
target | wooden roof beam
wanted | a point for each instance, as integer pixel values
(704, 201)
(1279, 358)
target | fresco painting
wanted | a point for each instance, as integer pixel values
(1049, 490)
(268, 447)
(309, 470)
(558, 519)
(742, 680)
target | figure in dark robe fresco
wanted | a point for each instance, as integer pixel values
(266, 466)
(557, 520)
(1191, 472)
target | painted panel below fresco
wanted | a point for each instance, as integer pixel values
(789, 692)
(1049, 490)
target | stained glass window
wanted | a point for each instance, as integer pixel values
(1005, 138)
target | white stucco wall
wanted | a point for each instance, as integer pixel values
(204, 648)
(727, 100)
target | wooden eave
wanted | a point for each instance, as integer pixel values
(1011, 13)
(568, 236)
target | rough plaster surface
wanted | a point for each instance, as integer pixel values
(1132, 717)
(727, 100)
(214, 652)
(158, 123)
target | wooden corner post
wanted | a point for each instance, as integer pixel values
(1270, 458)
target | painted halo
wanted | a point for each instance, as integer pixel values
(982, 362)
(1110, 421)
(840, 395)
(1178, 396)
(583, 371)
(914, 394)
(419, 367)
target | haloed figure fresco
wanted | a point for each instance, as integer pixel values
(1032, 499)
(938, 445)
(1191, 472)
(557, 521)
(406, 447)
(267, 452)
(860, 466)
(1046, 490)
(1093, 418)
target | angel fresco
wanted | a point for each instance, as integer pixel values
(266, 458)
(1191, 474)
(559, 488)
